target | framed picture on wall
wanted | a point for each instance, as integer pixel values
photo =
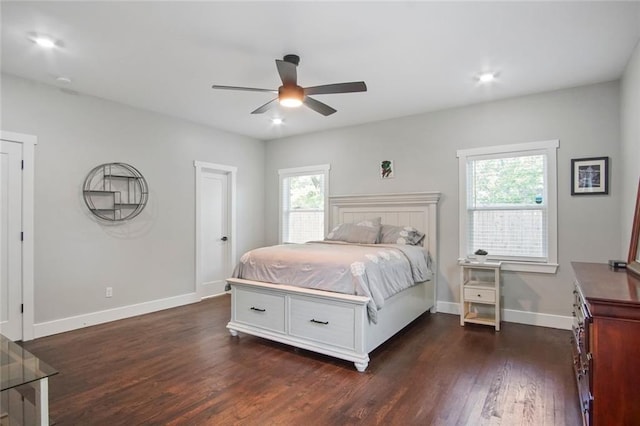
(590, 176)
(386, 169)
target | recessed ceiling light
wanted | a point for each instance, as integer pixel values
(43, 41)
(487, 77)
(277, 121)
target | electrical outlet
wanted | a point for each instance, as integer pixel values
(109, 292)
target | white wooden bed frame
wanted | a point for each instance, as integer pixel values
(337, 324)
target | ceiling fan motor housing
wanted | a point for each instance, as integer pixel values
(294, 59)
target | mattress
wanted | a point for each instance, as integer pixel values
(377, 271)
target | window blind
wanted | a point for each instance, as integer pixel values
(303, 201)
(507, 210)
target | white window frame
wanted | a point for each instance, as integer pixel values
(548, 148)
(303, 171)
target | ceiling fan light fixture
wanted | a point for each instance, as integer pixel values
(290, 96)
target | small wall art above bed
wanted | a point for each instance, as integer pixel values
(334, 321)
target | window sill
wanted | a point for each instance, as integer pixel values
(539, 268)
(515, 266)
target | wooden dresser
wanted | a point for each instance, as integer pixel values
(606, 344)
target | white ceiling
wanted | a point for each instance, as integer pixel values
(414, 56)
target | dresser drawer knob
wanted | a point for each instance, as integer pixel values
(313, 320)
(253, 308)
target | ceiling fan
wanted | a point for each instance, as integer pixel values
(290, 94)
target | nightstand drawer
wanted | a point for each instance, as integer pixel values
(480, 295)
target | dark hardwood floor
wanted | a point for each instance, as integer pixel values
(181, 366)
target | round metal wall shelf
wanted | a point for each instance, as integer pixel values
(115, 192)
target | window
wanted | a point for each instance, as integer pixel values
(508, 204)
(303, 202)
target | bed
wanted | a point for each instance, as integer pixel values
(338, 324)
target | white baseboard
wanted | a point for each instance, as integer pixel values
(80, 321)
(520, 317)
(212, 289)
(94, 318)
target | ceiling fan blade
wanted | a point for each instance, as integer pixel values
(287, 71)
(354, 86)
(265, 107)
(318, 106)
(246, 89)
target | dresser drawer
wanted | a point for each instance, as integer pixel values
(260, 309)
(480, 295)
(330, 323)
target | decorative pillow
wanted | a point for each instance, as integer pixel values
(408, 235)
(364, 232)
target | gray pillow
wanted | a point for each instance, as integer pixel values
(363, 232)
(408, 235)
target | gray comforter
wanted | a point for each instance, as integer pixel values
(377, 271)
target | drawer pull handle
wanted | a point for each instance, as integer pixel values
(479, 295)
(319, 322)
(253, 308)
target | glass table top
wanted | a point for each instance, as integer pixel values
(19, 366)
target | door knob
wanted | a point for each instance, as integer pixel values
(224, 238)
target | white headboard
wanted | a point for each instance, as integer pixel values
(417, 209)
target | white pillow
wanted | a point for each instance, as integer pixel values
(408, 235)
(364, 232)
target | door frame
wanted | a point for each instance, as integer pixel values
(231, 172)
(28, 143)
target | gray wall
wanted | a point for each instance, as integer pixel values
(150, 258)
(630, 151)
(153, 256)
(586, 120)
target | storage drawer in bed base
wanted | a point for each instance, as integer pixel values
(334, 325)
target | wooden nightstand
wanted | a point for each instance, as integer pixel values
(480, 293)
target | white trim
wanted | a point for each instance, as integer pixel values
(519, 317)
(504, 149)
(304, 170)
(538, 319)
(404, 198)
(549, 148)
(298, 171)
(541, 268)
(202, 289)
(94, 318)
(28, 183)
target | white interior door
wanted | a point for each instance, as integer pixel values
(214, 227)
(10, 240)
(214, 255)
